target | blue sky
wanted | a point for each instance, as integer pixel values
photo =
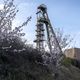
(64, 14)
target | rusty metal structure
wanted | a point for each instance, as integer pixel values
(40, 36)
(44, 27)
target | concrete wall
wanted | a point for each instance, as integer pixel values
(73, 53)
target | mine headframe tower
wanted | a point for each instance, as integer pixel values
(43, 20)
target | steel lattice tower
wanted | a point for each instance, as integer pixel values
(44, 21)
(40, 36)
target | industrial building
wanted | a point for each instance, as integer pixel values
(73, 53)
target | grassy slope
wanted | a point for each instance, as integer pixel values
(69, 73)
(23, 66)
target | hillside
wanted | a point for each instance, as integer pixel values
(23, 66)
(27, 65)
(69, 73)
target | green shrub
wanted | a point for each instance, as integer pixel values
(66, 62)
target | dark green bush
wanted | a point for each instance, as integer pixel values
(66, 61)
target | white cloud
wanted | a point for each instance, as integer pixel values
(76, 40)
(1, 6)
